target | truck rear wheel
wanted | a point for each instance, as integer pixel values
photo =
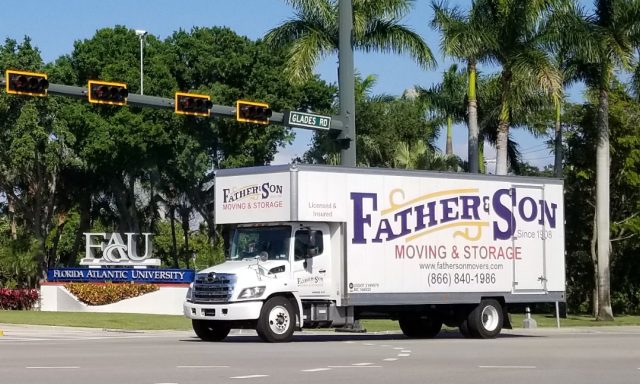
(277, 320)
(485, 321)
(210, 330)
(417, 327)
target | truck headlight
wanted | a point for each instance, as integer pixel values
(251, 292)
(189, 292)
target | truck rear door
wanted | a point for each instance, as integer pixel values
(529, 272)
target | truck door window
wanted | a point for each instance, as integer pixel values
(308, 243)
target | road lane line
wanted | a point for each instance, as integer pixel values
(404, 354)
(405, 351)
(316, 369)
(54, 367)
(362, 364)
(202, 366)
(390, 359)
(354, 366)
(508, 366)
(248, 376)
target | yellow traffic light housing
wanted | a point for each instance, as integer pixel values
(253, 112)
(26, 83)
(192, 104)
(103, 92)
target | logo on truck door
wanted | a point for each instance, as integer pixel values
(446, 209)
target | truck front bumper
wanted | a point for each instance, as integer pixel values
(249, 310)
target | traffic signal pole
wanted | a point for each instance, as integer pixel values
(346, 83)
(137, 100)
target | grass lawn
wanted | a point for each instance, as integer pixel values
(167, 322)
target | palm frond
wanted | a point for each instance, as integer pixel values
(389, 36)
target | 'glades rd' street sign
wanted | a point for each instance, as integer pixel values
(306, 120)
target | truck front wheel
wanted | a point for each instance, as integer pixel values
(417, 327)
(210, 330)
(277, 320)
(485, 321)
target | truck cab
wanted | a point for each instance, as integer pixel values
(269, 271)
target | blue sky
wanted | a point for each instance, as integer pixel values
(53, 27)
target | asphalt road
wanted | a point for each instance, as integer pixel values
(35, 354)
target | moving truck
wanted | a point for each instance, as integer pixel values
(319, 246)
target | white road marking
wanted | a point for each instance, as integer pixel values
(403, 354)
(53, 367)
(390, 359)
(405, 351)
(368, 344)
(362, 364)
(316, 369)
(248, 376)
(355, 366)
(202, 366)
(508, 366)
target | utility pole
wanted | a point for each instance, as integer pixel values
(346, 83)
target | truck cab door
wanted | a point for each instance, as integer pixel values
(311, 264)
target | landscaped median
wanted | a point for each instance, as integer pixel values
(131, 321)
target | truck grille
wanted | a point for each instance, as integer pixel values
(213, 287)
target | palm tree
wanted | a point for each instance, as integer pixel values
(466, 38)
(600, 42)
(521, 39)
(421, 155)
(313, 33)
(447, 98)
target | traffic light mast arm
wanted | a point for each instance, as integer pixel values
(163, 102)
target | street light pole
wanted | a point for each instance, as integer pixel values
(141, 34)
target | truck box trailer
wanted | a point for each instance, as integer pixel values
(319, 246)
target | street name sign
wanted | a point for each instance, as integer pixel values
(306, 120)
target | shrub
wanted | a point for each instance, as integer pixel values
(108, 293)
(18, 299)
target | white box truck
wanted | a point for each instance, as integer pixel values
(319, 246)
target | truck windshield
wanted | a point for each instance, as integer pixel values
(268, 243)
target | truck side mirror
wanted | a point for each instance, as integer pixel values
(312, 252)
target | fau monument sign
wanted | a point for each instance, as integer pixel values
(105, 249)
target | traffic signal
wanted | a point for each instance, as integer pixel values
(26, 83)
(253, 112)
(102, 92)
(193, 104)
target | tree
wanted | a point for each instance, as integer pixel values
(600, 42)
(313, 33)
(580, 174)
(35, 153)
(447, 98)
(520, 50)
(468, 39)
(382, 121)
(420, 156)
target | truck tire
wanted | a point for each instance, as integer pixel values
(416, 327)
(485, 321)
(277, 320)
(210, 330)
